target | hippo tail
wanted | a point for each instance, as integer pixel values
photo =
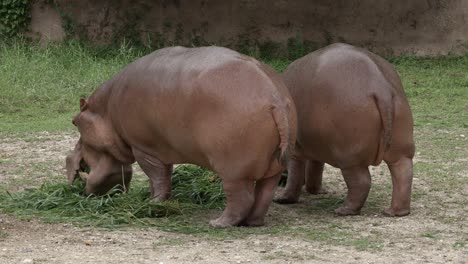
(284, 118)
(386, 106)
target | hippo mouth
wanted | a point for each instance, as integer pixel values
(83, 171)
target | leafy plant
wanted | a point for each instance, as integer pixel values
(14, 17)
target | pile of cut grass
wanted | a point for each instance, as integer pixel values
(194, 188)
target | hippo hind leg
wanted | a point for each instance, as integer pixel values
(358, 181)
(239, 200)
(402, 178)
(264, 190)
(292, 191)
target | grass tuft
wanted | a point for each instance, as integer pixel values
(194, 189)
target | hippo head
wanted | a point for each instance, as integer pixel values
(94, 153)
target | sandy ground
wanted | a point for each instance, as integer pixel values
(402, 240)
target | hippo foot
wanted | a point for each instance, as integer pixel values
(158, 199)
(392, 212)
(344, 211)
(253, 222)
(286, 199)
(316, 191)
(220, 223)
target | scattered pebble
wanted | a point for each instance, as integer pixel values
(27, 261)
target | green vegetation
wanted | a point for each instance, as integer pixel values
(14, 17)
(437, 89)
(193, 189)
(40, 87)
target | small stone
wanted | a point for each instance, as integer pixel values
(462, 135)
(27, 261)
(87, 242)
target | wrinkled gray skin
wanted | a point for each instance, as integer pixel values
(352, 113)
(208, 106)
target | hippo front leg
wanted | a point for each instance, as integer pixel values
(313, 177)
(159, 175)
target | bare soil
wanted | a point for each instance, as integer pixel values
(435, 232)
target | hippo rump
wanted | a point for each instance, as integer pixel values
(352, 113)
(209, 106)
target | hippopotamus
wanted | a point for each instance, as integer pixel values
(352, 113)
(208, 106)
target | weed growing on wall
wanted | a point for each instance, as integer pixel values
(14, 17)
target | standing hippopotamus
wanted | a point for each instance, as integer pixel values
(208, 106)
(352, 113)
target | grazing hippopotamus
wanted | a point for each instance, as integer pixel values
(208, 106)
(352, 113)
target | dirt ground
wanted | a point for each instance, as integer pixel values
(422, 237)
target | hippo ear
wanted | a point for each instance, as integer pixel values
(83, 104)
(72, 162)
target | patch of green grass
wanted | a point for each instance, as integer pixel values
(165, 241)
(325, 203)
(334, 234)
(460, 244)
(278, 65)
(429, 235)
(437, 89)
(40, 87)
(365, 244)
(3, 234)
(194, 189)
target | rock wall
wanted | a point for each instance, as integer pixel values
(421, 27)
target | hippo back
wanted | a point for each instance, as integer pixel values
(345, 98)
